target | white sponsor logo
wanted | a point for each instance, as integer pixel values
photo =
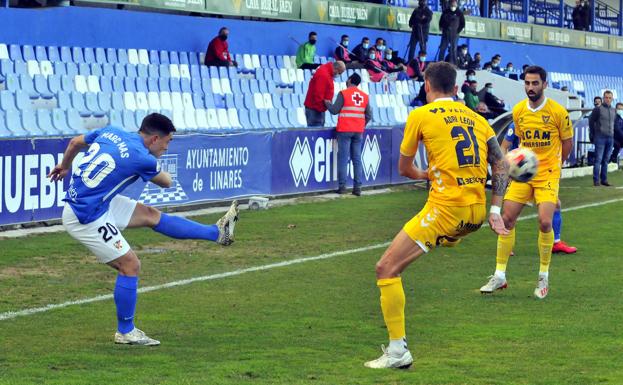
(301, 161)
(371, 157)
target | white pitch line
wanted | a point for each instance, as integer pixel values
(14, 314)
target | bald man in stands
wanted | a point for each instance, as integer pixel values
(321, 89)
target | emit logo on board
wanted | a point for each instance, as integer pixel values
(155, 195)
(322, 160)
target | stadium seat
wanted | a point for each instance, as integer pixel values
(189, 119)
(245, 121)
(223, 118)
(273, 118)
(14, 123)
(216, 86)
(300, 116)
(7, 101)
(232, 116)
(264, 119)
(258, 101)
(44, 121)
(201, 119)
(213, 122)
(40, 53)
(114, 117)
(129, 121)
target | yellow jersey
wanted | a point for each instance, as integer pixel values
(455, 139)
(542, 130)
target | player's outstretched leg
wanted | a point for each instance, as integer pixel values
(545, 242)
(398, 256)
(559, 245)
(125, 296)
(497, 281)
(181, 228)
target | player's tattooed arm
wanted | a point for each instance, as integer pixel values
(499, 167)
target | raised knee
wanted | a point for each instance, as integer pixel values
(545, 225)
(509, 222)
(385, 270)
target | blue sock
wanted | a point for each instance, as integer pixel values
(557, 225)
(125, 299)
(182, 228)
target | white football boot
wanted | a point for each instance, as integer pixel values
(135, 337)
(227, 224)
(542, 288)
(495, 283)
(389, 360)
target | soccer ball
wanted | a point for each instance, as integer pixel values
(523, 164)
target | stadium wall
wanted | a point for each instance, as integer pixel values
(93, 27)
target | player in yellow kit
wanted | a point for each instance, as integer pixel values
(459, 144)
(543, 126)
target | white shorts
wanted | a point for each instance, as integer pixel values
(103, 236)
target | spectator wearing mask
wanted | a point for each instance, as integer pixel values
(601, 129)
(451, 24)
(463, 58)
(380, 48)
(388, 62)
(597, 101)
(494, 63)
(494, 104)
(306, 52)
(509, 67)
(361, 50)
(522, 77)
(618, 133)
(475, 63)
(470, 75)
(471, 95)
(374, 66)
(321, 89)
(218, 51)
(487, 67)
(420, 26)
(416, 67)
(581, 15)
(353, 110)
(342, 53)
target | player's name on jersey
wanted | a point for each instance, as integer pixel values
(459, 119)
(121, 145)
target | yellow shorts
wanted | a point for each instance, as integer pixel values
(439, 225)
(540, 191)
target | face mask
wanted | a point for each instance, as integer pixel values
(388, 57)
(345, 43)
(509, 68)
(312, 42)
(223, 37)
(495, 63)
(422, 58)
(471, 77)
(463, 52)
(620, 113)
(490, 90)
(366, 45)
(453, 9)
(372, 56)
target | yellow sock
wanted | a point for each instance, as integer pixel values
(546, 241)
(505, 246)
(393, 306)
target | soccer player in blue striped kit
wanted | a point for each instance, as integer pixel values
(94, 213)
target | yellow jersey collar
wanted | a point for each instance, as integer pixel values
(539, 108)
(443, 100)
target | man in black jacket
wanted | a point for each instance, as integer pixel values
(420, 25)
(581, 15)
(618, 133)
(601, 134)
(451, 24)
(361, 50)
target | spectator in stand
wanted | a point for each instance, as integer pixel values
(483, 110)
(475, 63)
(597, 101)
(581, 15)
(321, 89)
(416, 67)
(469, 76)
(390, 67)
(471, 95)
(509, 67)
(451, 24)
(494, 104)
(463, 58)
(618, 134)
(342, 53)
(218, 51)
(374, 66)
(495, 63)
(601, 129)
(361, 50)
(380, 48)
(354, 113)
(487, 67)
(420, 25)
(522, 77)
(306, 52)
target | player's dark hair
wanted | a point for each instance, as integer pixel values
(355, 79)
(608, 92)
(364, 39)
(157, 124)
(470, 72)
(619, 104)
(441, 76)
(223, 29)
(344, 37)
(537, 71)
(597, 97)
(312, 33)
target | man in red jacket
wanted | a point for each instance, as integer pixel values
(321, 89)
(353, 110)
(218, 51)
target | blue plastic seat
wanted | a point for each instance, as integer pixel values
(130, 71)
(28, 52)
(119, 69)
(89, 55)
(77, 101)
(153, 57)
(141, 71)
(44, 121)
(223, 73)
(22, 100)
(254, 117)
(111, 55)
(283, 118)
(129, 121)
(209, 101)
(40, 53)
(254, 86)
(117, 101)
(129, 84)
(29, 123)
(206, 86)
(198, 101)
(243, 117)
(76, 55)
(65, 54)
(185, 85)
(75, 122)
(21, 68)
(239, 101)
(4, 132)
(264, 119)
(229, 101)
(249, 103)
(213, 72)
(53, 54)
(14, 123)
(41, 84)
(71, 69)
(15, 53)
(152, 71)
(277, 101)
(6, 67)
(273, 118)
(100, 55)
(91, 103)
(219, 101)
(164, 57)
(286, 101)
(141, 84)
(122, 56)
(204, 72)
(27, 85)
(7, 101)
(152, 85)
(174, 58)
(245, 87)
(108, 69)
(104, 100)
(163, 85)
(84, 69)
(174, 84)
(164, 71)
(106, 84)
(195, 85)
(59, 121)
(117, 84)
(96, 69)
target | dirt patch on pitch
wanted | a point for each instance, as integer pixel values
(39, 271)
